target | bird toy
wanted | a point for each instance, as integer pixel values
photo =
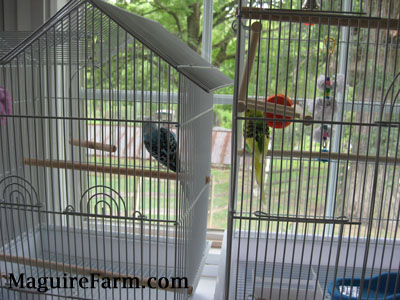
(280, 99)
(328, 103)
(324, 107)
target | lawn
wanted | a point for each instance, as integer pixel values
(294, 188)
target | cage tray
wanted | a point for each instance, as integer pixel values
(47, 244)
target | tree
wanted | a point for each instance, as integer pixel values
(184, 18)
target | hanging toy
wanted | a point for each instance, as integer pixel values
(325, 137)
(324, 107)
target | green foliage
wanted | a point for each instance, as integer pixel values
(223, 115)
(184, 18)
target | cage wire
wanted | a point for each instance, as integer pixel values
(105, 155)
(315, 193)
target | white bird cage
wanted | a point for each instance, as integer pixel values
(80, 193)
(322, 219)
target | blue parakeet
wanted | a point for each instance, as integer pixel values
(161, 144)
(256, 133)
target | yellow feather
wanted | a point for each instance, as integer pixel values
(258, 162)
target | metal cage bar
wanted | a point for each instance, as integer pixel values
(314, 201)
(105, 154)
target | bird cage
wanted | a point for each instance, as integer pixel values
(315, 188)
(93, 183)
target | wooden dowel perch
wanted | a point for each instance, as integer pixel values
(302, 114)
(104, 169)
(318, 17)
(259, 104)
(40, 263)
(100, 168)
(93, 145)
(248, 65)
(328, 155)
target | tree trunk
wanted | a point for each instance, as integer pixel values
(193, 25)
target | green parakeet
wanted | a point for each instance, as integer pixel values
(259, 138)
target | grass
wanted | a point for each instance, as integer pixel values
(154, 197)
(219, 194)
(294, 188)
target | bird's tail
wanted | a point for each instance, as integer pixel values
(258, 164)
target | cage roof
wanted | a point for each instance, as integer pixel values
(151, 34)
(10, 39)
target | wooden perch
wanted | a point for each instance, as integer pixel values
(301, 112)
(93, 145)
(62, 164)
(318, 17)
(40, 263)
(248, 66)
(100, 168)
(263, 106)
(259, 104)
(328, 155)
